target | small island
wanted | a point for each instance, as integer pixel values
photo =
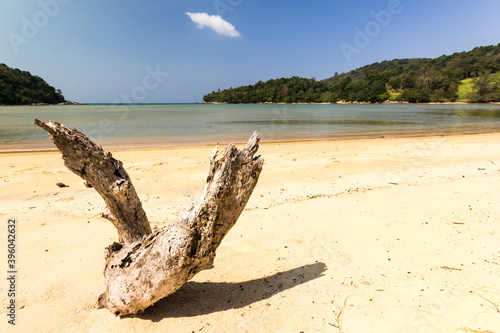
(472, 76)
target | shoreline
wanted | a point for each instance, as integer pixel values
(355, 103)
(190, 125)
(154, 147)
(270, 103)
(67, 103)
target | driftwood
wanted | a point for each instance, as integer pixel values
(144, 267)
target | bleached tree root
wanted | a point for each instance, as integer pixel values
(144, 267)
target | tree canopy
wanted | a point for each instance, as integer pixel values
(20, 87)
(411, 80)
(292, 90)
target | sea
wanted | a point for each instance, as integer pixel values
(179, 125)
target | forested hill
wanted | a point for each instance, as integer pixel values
(466, 76)
(20, 87)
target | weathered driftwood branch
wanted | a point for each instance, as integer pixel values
(107, 175)
(145, 267)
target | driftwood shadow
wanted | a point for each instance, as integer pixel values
(200, 298)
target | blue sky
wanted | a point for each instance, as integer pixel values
(153, 52)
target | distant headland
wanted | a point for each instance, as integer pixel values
(21, 88)
(472, 76)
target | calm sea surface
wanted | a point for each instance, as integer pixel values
(171, 125)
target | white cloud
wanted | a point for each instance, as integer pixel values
(215, 22)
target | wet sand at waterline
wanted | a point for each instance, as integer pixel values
(371, 235)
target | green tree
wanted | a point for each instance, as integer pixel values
(485, 89)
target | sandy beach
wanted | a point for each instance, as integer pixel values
(372, 235)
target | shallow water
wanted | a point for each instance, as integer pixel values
(171, 125)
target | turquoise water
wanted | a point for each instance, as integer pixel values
(171, 125)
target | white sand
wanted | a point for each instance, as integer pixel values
(326, 242)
